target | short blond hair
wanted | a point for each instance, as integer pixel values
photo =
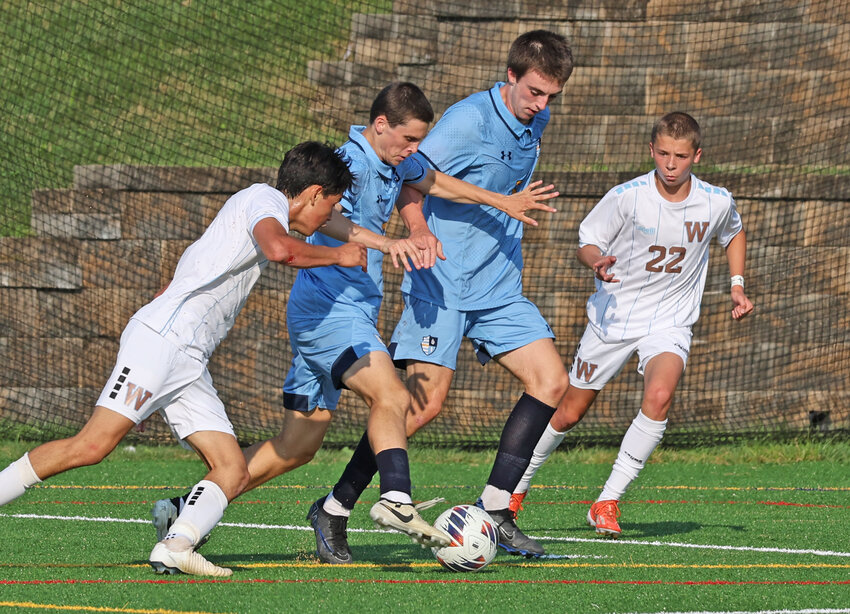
(678, 125)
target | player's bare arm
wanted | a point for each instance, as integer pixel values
(409, 205)
(532, 198)
(402, 252)
(736, 255)
(279, 246)
(593, 258)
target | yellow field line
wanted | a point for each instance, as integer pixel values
(88, 608)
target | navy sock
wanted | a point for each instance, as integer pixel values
(522, 431)
(394, 468)
(357, 475)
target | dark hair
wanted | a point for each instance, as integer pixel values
(311, 163)
(401, 102)
(678, 125)
(543, 51)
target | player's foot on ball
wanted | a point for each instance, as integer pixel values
(511, 539)
(167, 561)
(603, 515)
(405, 518)
(331, 534)
(164, 513)
(516, 502)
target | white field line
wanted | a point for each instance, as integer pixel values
(806, 611)
(618, 542)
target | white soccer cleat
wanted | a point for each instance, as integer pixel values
(405, 518)
(164, 513)
(188, 561)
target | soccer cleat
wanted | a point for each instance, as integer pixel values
(164, 513)
(511, 539)
(165, 561)
(405, 518)
(331, 535)
(516, 502)
(603, 515)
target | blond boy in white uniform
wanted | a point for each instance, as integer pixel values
(647, 242)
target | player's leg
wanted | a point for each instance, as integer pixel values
(225, 480)
(663, 357)
(374, 379)
(98, 437)
(570, 411)
(538, 366)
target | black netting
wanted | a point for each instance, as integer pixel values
(127, 125)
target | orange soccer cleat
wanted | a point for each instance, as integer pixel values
(603, 516)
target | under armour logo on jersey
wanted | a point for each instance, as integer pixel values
(428, 345)
(136, 395)
(506, 155)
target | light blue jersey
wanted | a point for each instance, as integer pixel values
(334, 290)
(480, 141)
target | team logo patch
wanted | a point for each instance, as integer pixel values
(428, 345)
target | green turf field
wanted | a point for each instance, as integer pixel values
(719, 530)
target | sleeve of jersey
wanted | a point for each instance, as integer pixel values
(733, 224)
(602, 224)
(260, 209)
(455, 141)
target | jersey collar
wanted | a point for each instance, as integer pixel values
(534, 127)
(355, 135)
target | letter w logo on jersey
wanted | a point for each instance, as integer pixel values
(696, 230)
(136, 394)
(585, 369)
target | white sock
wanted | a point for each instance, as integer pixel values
(549, 441)
(16, 478)
(638, 443)
(495, 498)
(202, 511)
(397, 496)
(333, 507)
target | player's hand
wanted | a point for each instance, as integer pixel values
(601, 266)
(403, 252)
(353, 254)
(429, 245)
(532, 198)
(741, 305)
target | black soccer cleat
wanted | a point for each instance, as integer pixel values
(511, 539)
(331, 535)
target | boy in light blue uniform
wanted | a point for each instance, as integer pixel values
(332, 320)
(492, 139)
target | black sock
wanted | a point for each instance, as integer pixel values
(522, 431)
(394, 469)
(357, 475)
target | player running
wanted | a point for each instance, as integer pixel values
(647, 242)
(165, 347)
(332, 317)
(492, 139)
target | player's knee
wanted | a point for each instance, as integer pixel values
(656, 402)
(551, 389)
(83, 453)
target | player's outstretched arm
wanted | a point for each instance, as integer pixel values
(736, 254)
(409, 205)
(592, 257)
(532, 198)
(402, 252)
(279, 246)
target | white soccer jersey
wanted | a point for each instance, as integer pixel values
(216, 273)
(662, 254)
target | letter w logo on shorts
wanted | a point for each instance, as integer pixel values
(136, 394)
(584, 369)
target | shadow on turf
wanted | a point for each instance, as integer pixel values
(638, 529)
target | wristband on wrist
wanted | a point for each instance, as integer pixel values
(737, 280)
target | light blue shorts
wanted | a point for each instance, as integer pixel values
(433, 334)
(322, 351)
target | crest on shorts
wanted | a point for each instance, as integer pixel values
(428, 345)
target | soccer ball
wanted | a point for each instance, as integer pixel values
(474, 538)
